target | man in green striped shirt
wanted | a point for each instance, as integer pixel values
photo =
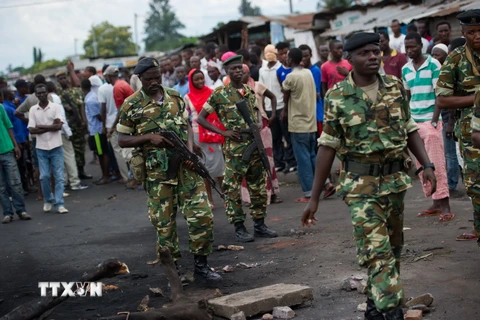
(420, 76)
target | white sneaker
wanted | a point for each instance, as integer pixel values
(79, 187)
(62, 209)
(47, 207)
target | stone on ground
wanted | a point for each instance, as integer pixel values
(260, 300)
(283, 313)
(362, 307)
(414, 315)
(267, 316)
(238, 316)
(425, 299)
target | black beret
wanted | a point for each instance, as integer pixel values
(234, 59)
(469, 18)
(145, 64)
(361, 39)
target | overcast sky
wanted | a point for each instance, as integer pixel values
(54, 26)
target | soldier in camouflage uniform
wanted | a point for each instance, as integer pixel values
(222, 101)
(369, 127)
(457, 84)
(186, 190)
(72, 101)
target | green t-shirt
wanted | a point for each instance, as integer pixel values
(6, 144)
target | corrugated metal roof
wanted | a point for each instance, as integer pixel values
(375, 17)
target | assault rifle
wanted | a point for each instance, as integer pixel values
(181, 153)
(257, 143)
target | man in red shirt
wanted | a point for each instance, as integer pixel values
(392, 60)
(336, 69)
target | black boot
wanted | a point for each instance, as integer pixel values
(203, 270)
(372, 313)
(82, 174)
(261, 230)
(242, 233)
(395, 314)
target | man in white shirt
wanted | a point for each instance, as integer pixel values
(214, 74)
(397, 39)
(45, 120)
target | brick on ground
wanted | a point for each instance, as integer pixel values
(414, 315)
(260, 300)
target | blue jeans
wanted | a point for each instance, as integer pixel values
(304, 150)
(453, 169)
(48, 161)
(10, 185)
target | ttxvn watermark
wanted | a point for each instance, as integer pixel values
(71, 289)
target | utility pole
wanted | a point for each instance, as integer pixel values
(136, 34)
(95, 45)
(291, 6)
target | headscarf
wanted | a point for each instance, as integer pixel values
(227, 55)
(270, 53)
(213, 65)
(251, 82)
(441, 46)
(199, 97)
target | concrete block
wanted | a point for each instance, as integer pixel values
(238, 316)
(283, 313)
(414, 315)
(260, 300)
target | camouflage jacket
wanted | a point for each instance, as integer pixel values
(73, 98)
(363, 131)
(222, 101)
(457, 79)
(170, 114)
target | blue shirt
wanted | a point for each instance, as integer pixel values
(317, 76)
(282, 73)
(183, 90)
(92, 109)
(18, 125)
(24, 124)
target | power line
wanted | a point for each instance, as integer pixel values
(32, 4)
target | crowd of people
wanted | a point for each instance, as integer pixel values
(391, 93)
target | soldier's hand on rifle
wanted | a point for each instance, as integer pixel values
(159, 141)
(189, 165)
(308, 217)
(231, 134)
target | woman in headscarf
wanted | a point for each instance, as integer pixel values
(210, 142)
(261, 92)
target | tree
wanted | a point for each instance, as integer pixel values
(37, 55)
(40, 66)
(110, 41)
(162, 27)
(331, 4)
(246, 9)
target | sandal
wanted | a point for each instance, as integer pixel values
(429, 213)
(101, 182)
(302, 200)
(446, 217)
(466, 237)
(330, 192)
(276, 199)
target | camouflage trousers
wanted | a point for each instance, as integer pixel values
(471, 176)
(190, 197)
(79, 142)
(235, 170)
(378, 232)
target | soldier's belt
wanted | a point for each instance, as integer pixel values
(373, 169)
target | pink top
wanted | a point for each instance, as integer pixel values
(330, 74)
(39, 116)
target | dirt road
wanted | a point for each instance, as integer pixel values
(108, 221)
